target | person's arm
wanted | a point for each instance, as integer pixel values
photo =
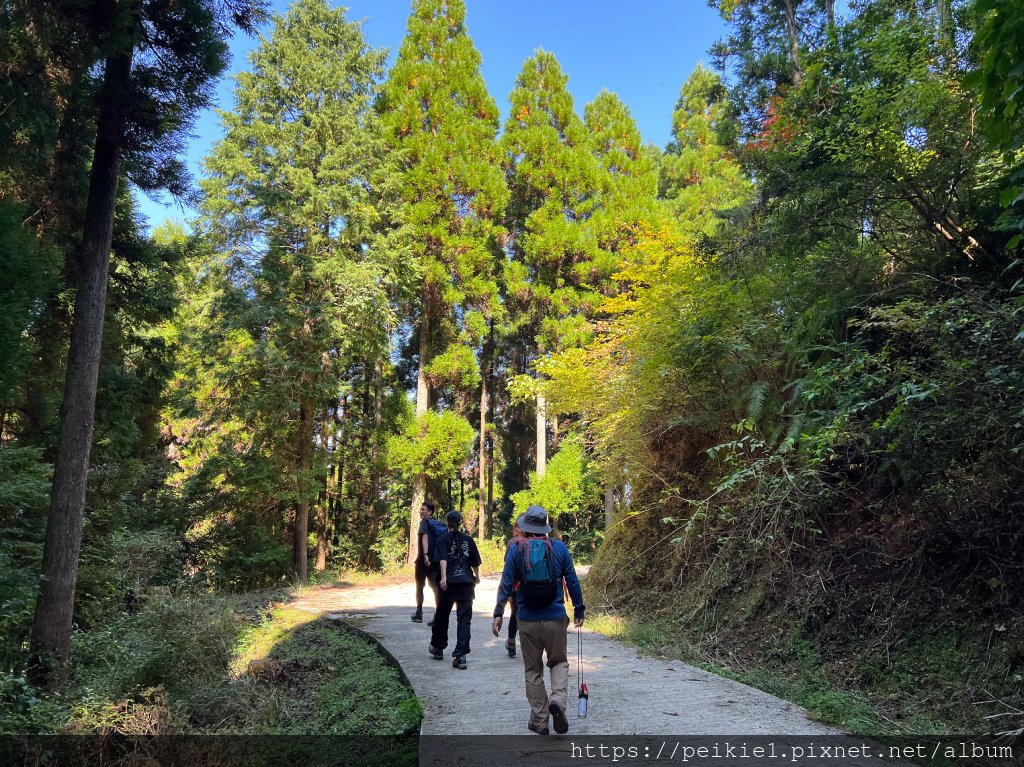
(425, 542)
(508, 579)
(443, 583)
(573, 584)
(475, 561)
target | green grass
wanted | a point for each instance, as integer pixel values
(796, 676)
(331, 681)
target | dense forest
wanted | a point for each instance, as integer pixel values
(768, 377)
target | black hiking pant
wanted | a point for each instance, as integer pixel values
(513, 621)
(460, 594)
(425, 575)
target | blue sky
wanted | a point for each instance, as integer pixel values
(642, 50)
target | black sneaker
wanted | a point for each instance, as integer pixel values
(459, 661)
(417, 617)
(539, 730)
(434, 652)
(430, 622)
(510, 647)
(558, 718)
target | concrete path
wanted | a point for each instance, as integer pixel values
(629, 694)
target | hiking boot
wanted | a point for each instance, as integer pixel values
(434, 652)
(537, 729)
(459, 661)
(510, 646)
(417, 617)
(558, 717)
(430, 622)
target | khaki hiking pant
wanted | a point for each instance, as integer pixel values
(538, 638)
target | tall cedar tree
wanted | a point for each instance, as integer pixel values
(159, 60)
(443, 123)
(699, 177)
(295, 186)
(627, 201)
(553, 176)
(627, 182)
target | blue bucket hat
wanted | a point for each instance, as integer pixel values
(535, 520)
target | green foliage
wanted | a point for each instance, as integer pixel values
(435, 444)
(456, 367)
(829, 373)
(567, 488)
(441, 124)
(177, 643)
(1000, 81)
(553, 180)
(24, 282)
(700, 179)
(339, 682)
(24, 497)
(627, 176)
(288, 303)
(924, 385)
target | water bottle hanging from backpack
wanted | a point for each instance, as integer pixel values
(584, 693)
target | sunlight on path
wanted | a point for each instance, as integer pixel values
(629, 694)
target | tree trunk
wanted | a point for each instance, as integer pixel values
(794, 41)
(542, 436)
(51, 632)
(301, 542)
(322, 516)
(490, 442)
(340, 445)
(830, 12)
(482, 474)
(609, 507)
(419, 482)
(378, 403)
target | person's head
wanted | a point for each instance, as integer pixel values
(517, 531)
(534, 521)
(426, 510)
(454, 520)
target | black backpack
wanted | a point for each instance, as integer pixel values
(536, 561)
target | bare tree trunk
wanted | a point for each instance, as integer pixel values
(378, 402)
(419, 482)
(609, 507)
(51, 631)
(482, 474)
(340, 416)
(542, 436)
(490, 441)
(830, 12)
(301, 541)
(794, 41)
(322, 516)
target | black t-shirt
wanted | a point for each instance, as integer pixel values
(461, 553)
(424, 530)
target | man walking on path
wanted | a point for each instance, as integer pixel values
(426, 567)
(459, 561)
(540, 566)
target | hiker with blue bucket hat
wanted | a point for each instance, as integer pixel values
(541, 566)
